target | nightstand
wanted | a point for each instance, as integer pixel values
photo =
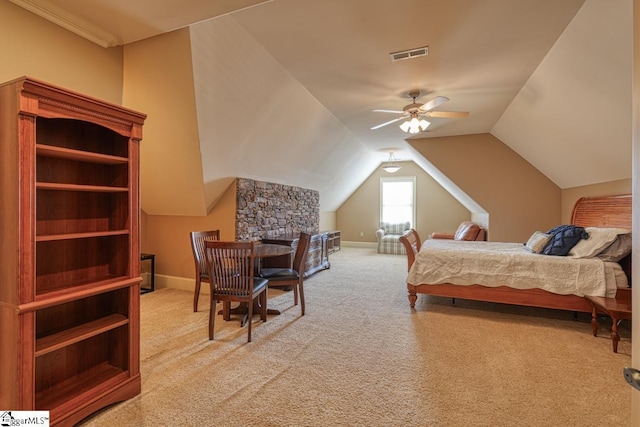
(617, 308)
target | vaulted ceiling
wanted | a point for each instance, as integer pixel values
(287, 87)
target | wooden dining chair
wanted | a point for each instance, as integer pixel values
(231, 273)
(202, 271)
(284, 277)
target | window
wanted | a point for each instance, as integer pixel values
(397, 199)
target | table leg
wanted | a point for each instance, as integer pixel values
(243, 310)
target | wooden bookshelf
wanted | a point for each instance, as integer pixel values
(69, 304)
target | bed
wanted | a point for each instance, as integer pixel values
(531, 288)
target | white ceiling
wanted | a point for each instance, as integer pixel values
(551, 79)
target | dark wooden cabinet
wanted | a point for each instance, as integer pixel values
(317, 257)
(70, 265)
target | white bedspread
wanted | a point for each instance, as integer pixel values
(508, 264)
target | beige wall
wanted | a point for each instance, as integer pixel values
(167, 236)
(31, 46)
(436, 209)
(158, 80)
(327, 220)
(571, 195)
(518, 198)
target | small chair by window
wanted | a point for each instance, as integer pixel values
(279, 277)
(231, 273)
(388, 236)
(202, 272)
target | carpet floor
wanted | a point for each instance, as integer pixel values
(361, 357)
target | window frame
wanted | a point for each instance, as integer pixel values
(411, 179)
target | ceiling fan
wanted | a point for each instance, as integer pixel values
(415, 113)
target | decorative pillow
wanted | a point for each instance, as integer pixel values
(537, 242)
(599, 239)
(563, 238)
(467, 231)
(620, 248)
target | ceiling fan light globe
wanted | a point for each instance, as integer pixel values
(414, 125)
(405, 126)
(424, 125)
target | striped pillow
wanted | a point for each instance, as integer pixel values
(537, 242)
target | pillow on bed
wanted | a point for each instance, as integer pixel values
(599, 239)
(537, 242)
(620, 248)
(563, 238)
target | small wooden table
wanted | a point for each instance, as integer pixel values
(267, 250)
(617, 308)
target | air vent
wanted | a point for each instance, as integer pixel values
(409, 54)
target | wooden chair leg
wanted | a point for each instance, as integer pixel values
(295, 294)
(212, 316)
(249, 319)
(263, 308)
(301, 292)
(196, 295)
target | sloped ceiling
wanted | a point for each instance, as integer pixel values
(572, 119)
(285, 89)
(256, 121)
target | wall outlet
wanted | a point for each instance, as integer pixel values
(361, 234)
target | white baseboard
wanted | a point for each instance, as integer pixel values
(188, 284)
(351, 244)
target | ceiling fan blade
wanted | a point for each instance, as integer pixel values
(433, 103)
(448, 114)
(387, 123)
(388, 111)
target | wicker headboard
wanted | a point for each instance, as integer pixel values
(605, 211)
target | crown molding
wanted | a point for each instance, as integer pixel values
(69, 22)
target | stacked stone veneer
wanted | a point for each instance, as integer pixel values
(268, 210)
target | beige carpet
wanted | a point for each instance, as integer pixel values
(361, 357)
